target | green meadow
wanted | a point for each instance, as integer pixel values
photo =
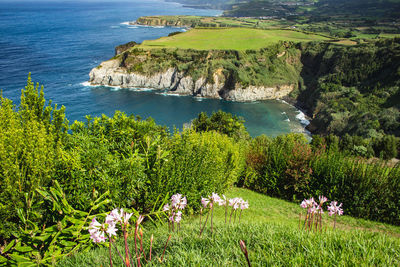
(229, 39)
(273, 235)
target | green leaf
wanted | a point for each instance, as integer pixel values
(41, 237)
(104, 202)
(20, 259)
(23, 249)
(2, 259)
(67, 243)
(9, 246)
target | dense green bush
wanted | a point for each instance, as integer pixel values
(197, 164)
(138, 162)
(29, 149)
(222, 122)
(382, 146)
(288, 168)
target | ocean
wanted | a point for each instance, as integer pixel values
(59, 42)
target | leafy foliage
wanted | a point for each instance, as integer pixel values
(288, 168)
(29, 150)
(222, 122)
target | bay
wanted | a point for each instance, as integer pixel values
(59, 42)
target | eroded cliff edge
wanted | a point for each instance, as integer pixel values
(270, 73)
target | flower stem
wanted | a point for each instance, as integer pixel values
(212, 215)
(334, 222)
(109, 250)
(226, 211)
(151, 246)
(119, 253)
(136, 250)
(127, 261)
(201, 231)
(240, 215)
(230, 217)
(166, 244)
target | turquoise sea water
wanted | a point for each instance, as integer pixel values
(60, 42)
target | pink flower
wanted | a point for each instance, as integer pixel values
(178, 217)
(214, 198)
(139, 219)
(308, 203)
(98, 237)
(182, 203)
(126, 217)
(178, 202)
(205, 201)
(335, 209)
(111, 230)
(244, 205)
(235, 202)
(166, 207)
(175, 200)
(322, 200)
(222, 201)
(96, 231)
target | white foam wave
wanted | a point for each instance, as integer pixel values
(158, 27)
(114, 27)
(302, 118)
(125, 23)
(287, 119)
(169, 94)
(86, 84)
(132, 27)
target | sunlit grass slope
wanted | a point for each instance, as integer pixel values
(229, 38)
(271, 231)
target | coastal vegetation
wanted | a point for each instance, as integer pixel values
(345, 89)
(56, 177)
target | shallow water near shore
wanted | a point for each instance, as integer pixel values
(61, 42)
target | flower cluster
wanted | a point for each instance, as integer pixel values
(315, 210)
(98, 231)
(174, 209)
(335, 209)
(237, 203)
(210, 201)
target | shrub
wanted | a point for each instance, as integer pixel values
(288, 168)
(222, 122)
(29, 149)
(197, 163)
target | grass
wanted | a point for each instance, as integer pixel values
(229, 39)
(270, 229)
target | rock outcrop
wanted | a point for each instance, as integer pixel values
(111, 73)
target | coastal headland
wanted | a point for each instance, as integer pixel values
(248, 59)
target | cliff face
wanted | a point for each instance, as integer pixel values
(269, 73)
(110, 73)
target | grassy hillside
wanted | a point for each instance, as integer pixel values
(270, 229)
(229, 39)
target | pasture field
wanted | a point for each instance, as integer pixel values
(229, 39)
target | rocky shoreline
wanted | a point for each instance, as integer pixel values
(110, 73)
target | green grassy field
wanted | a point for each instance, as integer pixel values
(229, 39)
(270, 229)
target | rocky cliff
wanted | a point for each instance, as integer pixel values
(110, 73)
(230, 75)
